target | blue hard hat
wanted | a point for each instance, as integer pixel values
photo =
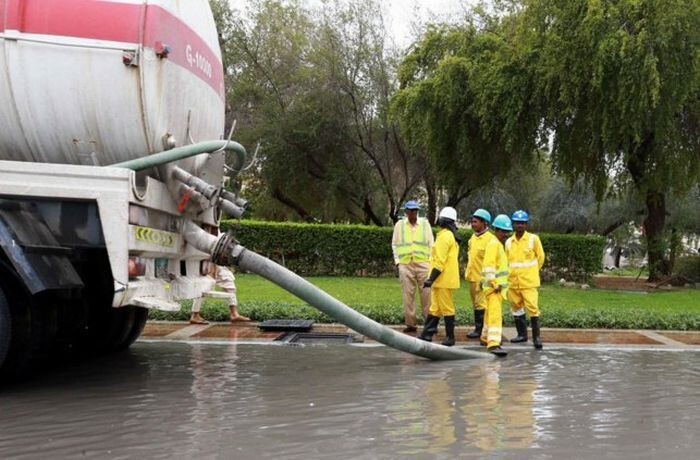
(412, 204)
(520, 216)
(483, 215)
(502, 222)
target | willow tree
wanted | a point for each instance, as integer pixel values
(620, 81)
(614, 83)
(465, 98)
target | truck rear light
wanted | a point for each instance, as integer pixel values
(136, 267)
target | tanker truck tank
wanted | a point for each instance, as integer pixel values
(91, 82)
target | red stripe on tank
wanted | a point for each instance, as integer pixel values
(187, 48)
(118, 22)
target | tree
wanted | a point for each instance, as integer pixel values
(465, 99)
(620, 81)
(614, 83)
(314, 86)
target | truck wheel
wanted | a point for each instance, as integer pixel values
(120, 327)
(5, 327)
(140, 315)
(17, 345)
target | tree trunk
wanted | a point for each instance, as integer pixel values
(618, 255)
(370, 214)
(279, 195)
(638, 165)
(430, 190)
(654, 228)
(675, 246)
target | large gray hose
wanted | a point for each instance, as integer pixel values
(288, 280)
(226, 251)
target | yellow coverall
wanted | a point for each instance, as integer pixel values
(476, 248)
(525, 259)
(494, 282)
(444, 256)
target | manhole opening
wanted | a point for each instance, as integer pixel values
(298, 325)
(315, 337)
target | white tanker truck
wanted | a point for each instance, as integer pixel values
(108, 173)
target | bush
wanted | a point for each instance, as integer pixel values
(688, 268)
(359, 250)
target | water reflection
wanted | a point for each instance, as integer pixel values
(213, 386)
(468, 408)
(169, 400)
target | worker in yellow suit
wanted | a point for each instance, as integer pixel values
(480, 221)
(525, 260)
(494, 282)
(444, 278)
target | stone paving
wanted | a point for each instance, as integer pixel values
(249, 332)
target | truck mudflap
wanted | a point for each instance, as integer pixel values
(32, 248)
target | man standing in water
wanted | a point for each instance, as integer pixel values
(411, 245)
(444, 278)
(525, 260)
(475, 254)
(494, 282)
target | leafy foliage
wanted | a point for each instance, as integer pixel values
(315, 249)
(615, 83)
(465, 98)
(688, 268)
(620, 81)
(313, 85)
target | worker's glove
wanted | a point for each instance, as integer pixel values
(431, 279)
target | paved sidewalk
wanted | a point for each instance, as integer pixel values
(249, 332)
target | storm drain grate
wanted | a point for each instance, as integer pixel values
(299, 325)
(315, 337)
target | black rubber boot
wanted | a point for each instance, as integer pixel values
(449, 331)
(429, 328)
(535, 323)
(478, 324)
(498, 351)
(521, 327)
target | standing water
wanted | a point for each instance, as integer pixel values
(240, 401)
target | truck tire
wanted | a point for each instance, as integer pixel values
(19, 344)
(5, 327)
(120, 327)
(137, 323)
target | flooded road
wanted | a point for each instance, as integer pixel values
(241, 401)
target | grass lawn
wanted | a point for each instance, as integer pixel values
(380, 299)
(386, 291)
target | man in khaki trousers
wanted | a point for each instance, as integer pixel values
(411, 244)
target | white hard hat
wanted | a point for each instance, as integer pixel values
(449, 213)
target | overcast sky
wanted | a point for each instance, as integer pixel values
(402, 13)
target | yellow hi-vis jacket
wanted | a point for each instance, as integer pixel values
(495, 268)
(476, 248)
(412, 244)
(525, 259)
(444, 256)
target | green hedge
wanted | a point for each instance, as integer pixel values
(358, 250)
(688, 268)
